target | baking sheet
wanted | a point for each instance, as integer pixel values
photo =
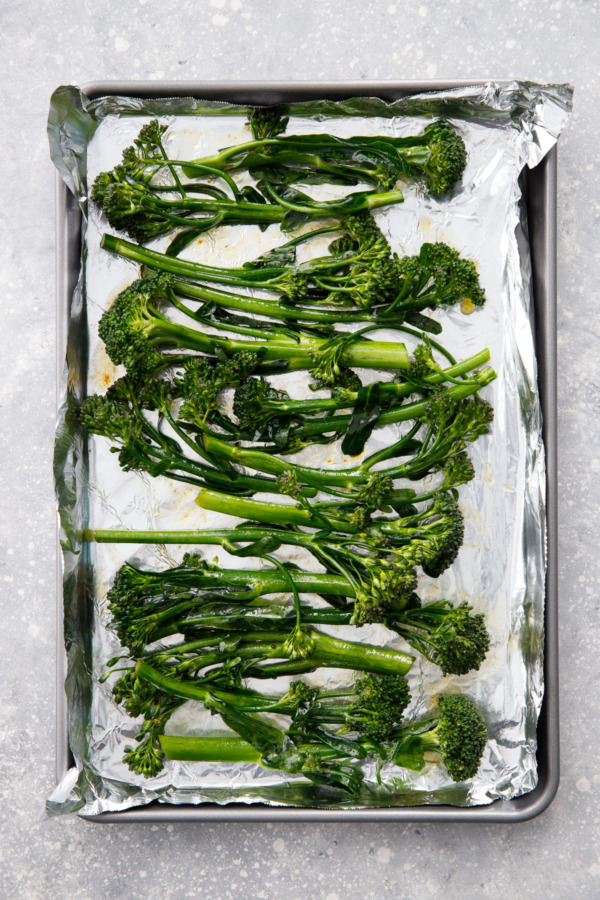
(513, 606)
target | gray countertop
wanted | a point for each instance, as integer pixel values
(45, 45)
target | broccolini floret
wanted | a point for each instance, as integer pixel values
(267, 121)
(437, 157)
(457, 734)
(446, 161)
(379, 706)
(452, 637)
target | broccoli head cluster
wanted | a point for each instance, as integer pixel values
(129, 324)
(447, 158)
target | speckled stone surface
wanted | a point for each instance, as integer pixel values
(43, 45)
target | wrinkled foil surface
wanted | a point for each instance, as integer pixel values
(501, 567)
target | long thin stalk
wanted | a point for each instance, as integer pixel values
(209, 749)
(392, 389)
(330, 424)
(269, 513)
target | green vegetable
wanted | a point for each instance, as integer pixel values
(143, 446)
(134, 328)
(437, 156)
(188, 599)
(366, 276)
(200, 632)
(368, 717)
(450, 425)
(135, 202)
(267, 414)
(164, 679)
(380, 563)
(457, 735)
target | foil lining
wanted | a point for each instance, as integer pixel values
(501, 566)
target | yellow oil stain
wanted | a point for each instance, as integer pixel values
(467, 306)
(103, 371)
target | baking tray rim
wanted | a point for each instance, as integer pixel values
(541, 195)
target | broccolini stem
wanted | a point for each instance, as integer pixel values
(269, 513)
(220, 537)
(409, 411)
(326, 651)
(268, 277)
(274, 309)
(347, 204)
(242, 210)
(273, 465)
(172, 264)
(329, 651)
(209, 749)
(199, 169)
(390, 388)
(272, 581)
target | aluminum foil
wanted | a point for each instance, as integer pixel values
(501, 566)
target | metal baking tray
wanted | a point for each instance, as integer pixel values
(539, 187)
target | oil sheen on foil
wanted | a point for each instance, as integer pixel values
(500, 568)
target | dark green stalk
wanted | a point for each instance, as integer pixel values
(408, 411)
(229, 538)
(324, 651)
(136, 206)
(392, 390)
(219, 537)
(279, 309)
(437, 154)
